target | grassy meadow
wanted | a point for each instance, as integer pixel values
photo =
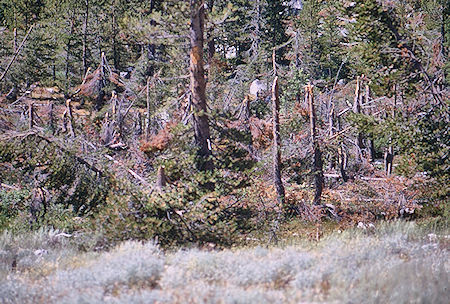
(397, 262)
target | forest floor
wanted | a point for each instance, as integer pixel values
(396, 262)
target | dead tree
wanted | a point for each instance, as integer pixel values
(101, 84)
(51, 115)
(198, 86)
(331, 129)
(371, 139)
(70, 117)
(357, 109)
(388, 160)
(30, 115)
(85, 35)
(389, 152)
(138, 124)
(342, 155)
(276, 154)
(15, 40)
(16, 54)
(318, 163)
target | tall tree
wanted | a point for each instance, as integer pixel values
(198, 85)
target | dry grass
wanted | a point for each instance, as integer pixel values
(397, 262)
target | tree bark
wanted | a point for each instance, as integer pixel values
(277, 144)
(198, 86)
(318, 163)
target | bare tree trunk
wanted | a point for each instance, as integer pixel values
(114, 36)
(70, 117)
(30, 115)
(198, 86)
(357, 109)
(69, 48)
(277, 144)
(371, 139)
(318, 163)
(388, 160)
(52, 118)
(101, 84)
(16, 53)
(15, 40)
(85, 27)
(331, 129)
(138, 124)
(389, 154)
(342, 156)
(147, 127)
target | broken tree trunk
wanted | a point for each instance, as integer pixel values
(277, 144)
(317, 164)
(198, 86)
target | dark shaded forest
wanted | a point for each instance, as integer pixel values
(222, 123)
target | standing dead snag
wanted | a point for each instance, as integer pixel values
(371, 139)
(318, 164)
(388, 160)
(70, 117)
(277, 143)
(389, 152)
(357, 109)
(198, 86)
(30, 116)
(101, 84)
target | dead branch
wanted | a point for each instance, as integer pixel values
(17, 53)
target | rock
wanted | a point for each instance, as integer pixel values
(257, 87)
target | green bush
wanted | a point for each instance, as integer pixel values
(11, 203)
